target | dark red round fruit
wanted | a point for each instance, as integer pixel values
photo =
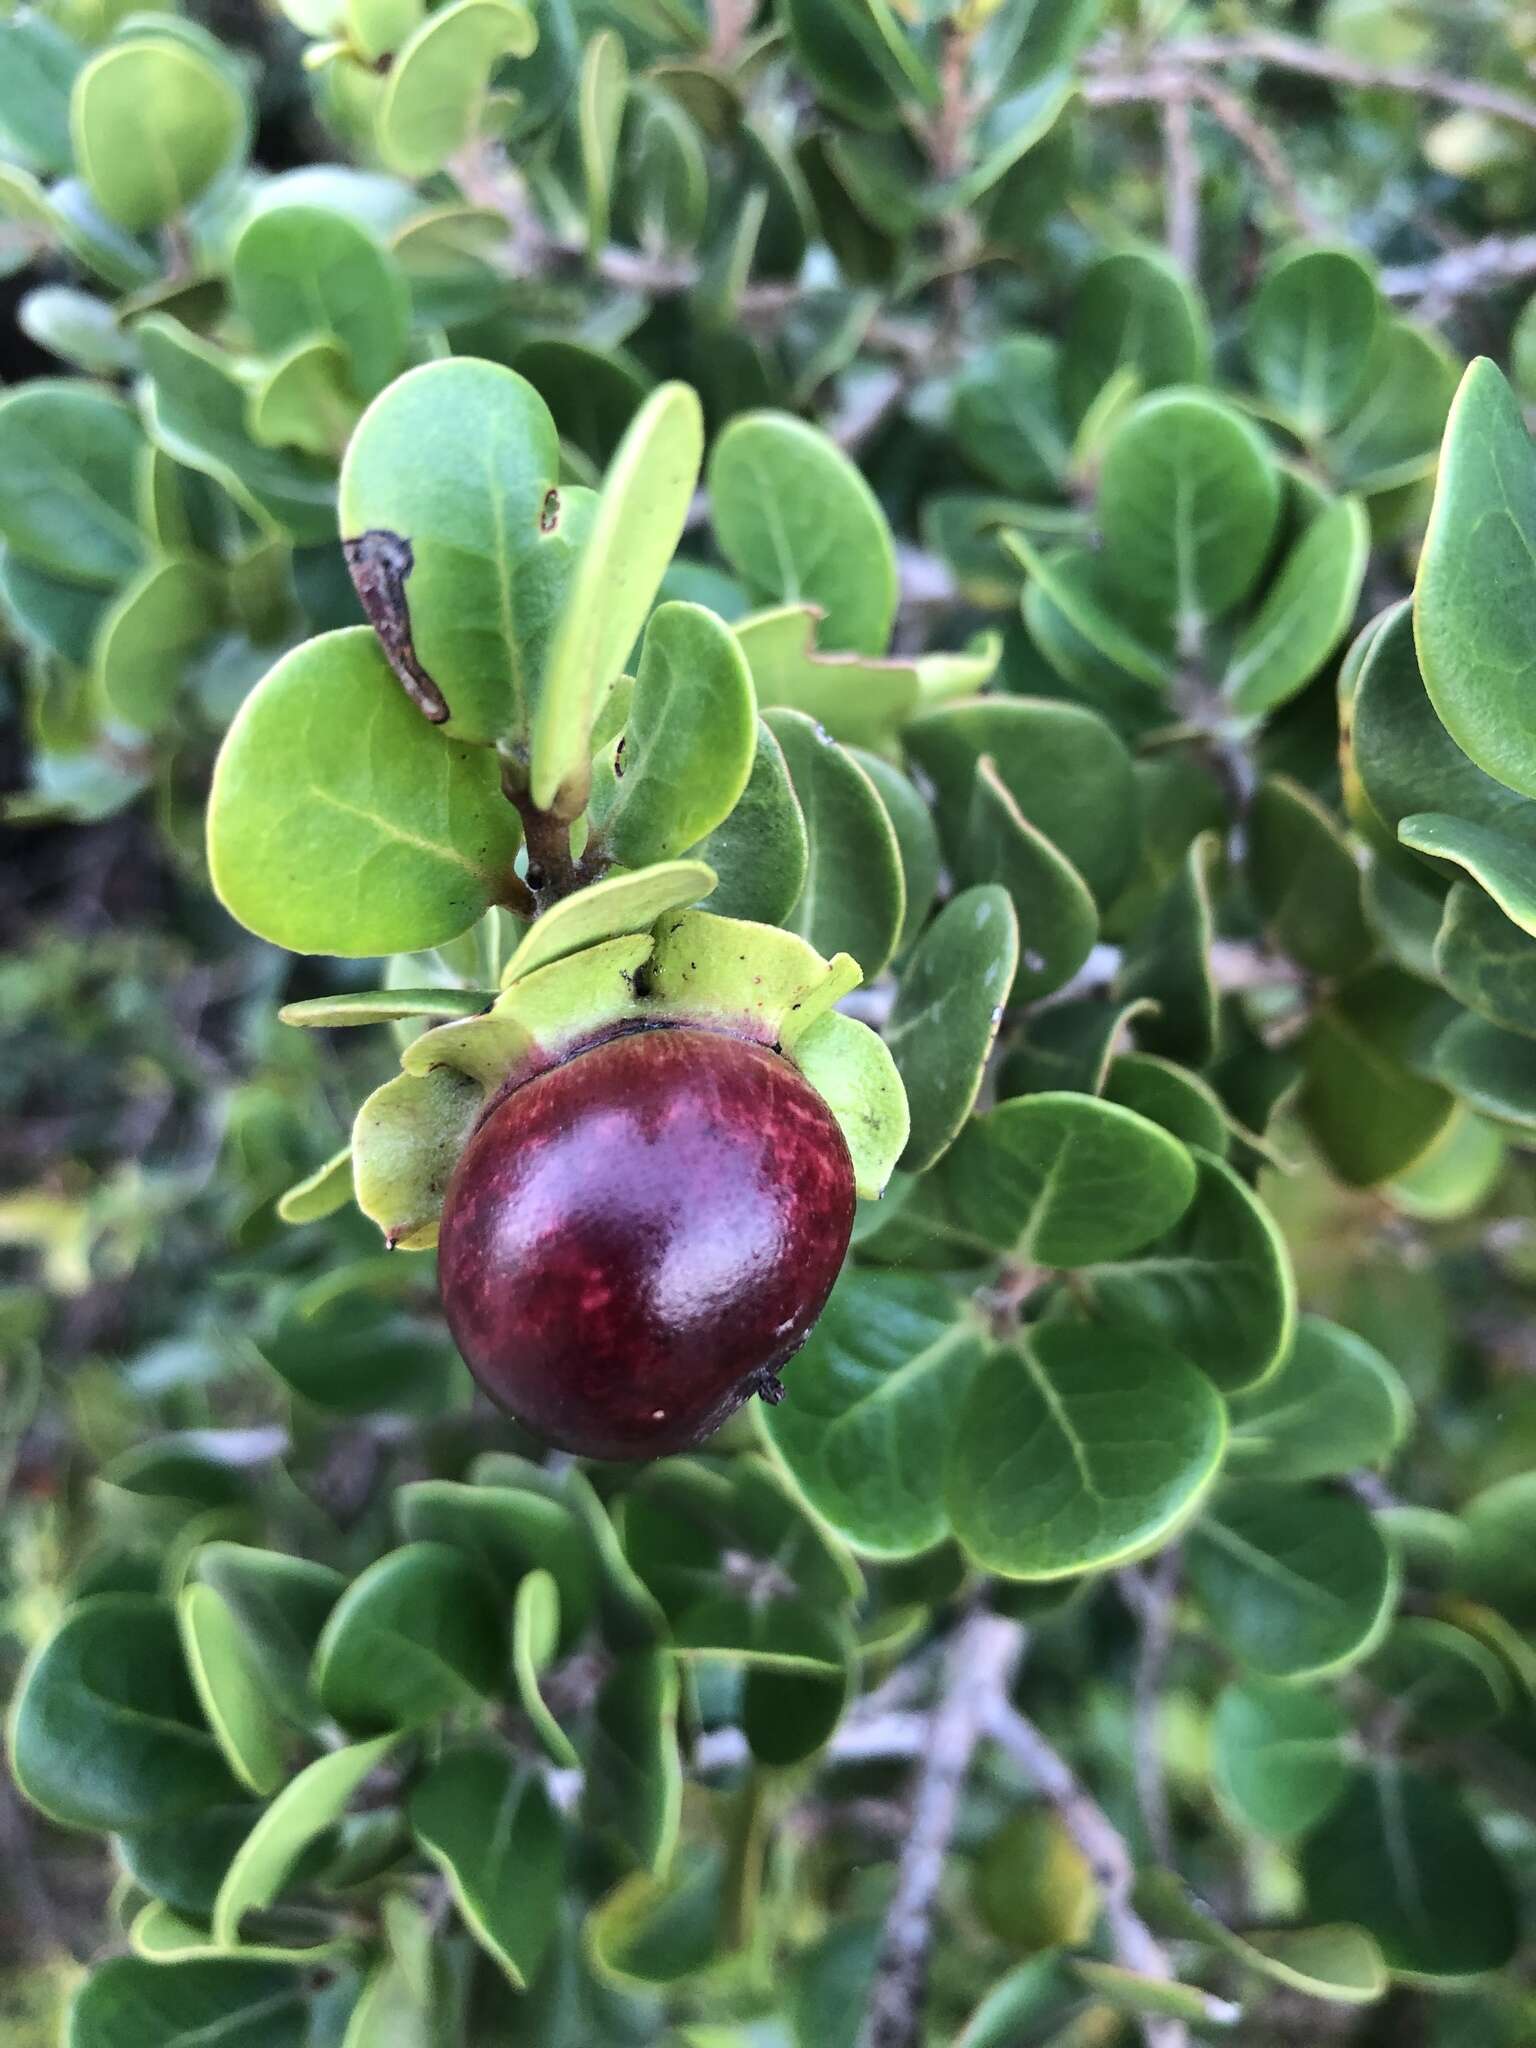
(635, 1240)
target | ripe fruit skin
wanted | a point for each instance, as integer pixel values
(631, 1238)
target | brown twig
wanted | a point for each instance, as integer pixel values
(981, 1660)
(1274, 166)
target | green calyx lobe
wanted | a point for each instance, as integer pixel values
(686, 968)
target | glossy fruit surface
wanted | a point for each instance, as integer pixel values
(633, 1240)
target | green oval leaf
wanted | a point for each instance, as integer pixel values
(461, 540)
(1057, 920)
(301, 271)
(854, 896)
(1076, 1448)
(869, 1406)
(418, 1634)
(685, 755)
(302, 1811)
(340, 822)
(761, 851)
(1189, 499)
(1061, 1179)
(1401, 1856)
(69, 459)
(1294, 1581)
(439, 84)
(1133, 311)
(1218, 1286)
(1280, 1756)
(799, 524)
(154, 123)
(1310, 331)
(1472, 602)
(129, 2002)
(1305, 614)
(945, 1021)
(107, 1732)
(230, 1683)
(1334, 1405)
(492, 1831)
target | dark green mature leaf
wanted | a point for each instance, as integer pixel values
(1391, 437)
(416, 1635)
(1055, 914)
(1305, 879)
(1168, 962)
(341, 822)
(1401, 1856)
(1501, 864)
(1487, 961)
(856, 56)
(761, 851)
(298, 272)
(634, 1784)
(688, 742)
(1133, 311)
(1310, 331)
(1472, 605)
(1189, 498)
(659, 1928)
(1306, 611)
(69, 460)
(1339, 1963)
(1077, 1448)
(788, 1715)
(1065, 768)
(1061, 1179)
(1492, 1070)
(948, 1009)
(490, 1827)
(510, 1531)
(1334, 1405)
(799, 524)
(1218, 1287)
(281, 1604)
(1187, 1107)
(198, 412)
(1280, 1756)
(1371, 1112)
(300, 1814)
(870, 1405)
(182, 1863)
(1007, 415)
(1442, 1679)
(854, 896)
(153, 123)
(107, 1732)
(1294, 1581)
(1406, 760)
(459, 461)
(129, 2003)
(916, 837)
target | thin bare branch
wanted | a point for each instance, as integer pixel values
(1316, 60)
(1104, 1847)
(1235, 115)
(1464, 273)
(1158, 1593)
(980, 1664)
(1181, 175)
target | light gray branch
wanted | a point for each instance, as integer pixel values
(980, 1664)
(1464, 273)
